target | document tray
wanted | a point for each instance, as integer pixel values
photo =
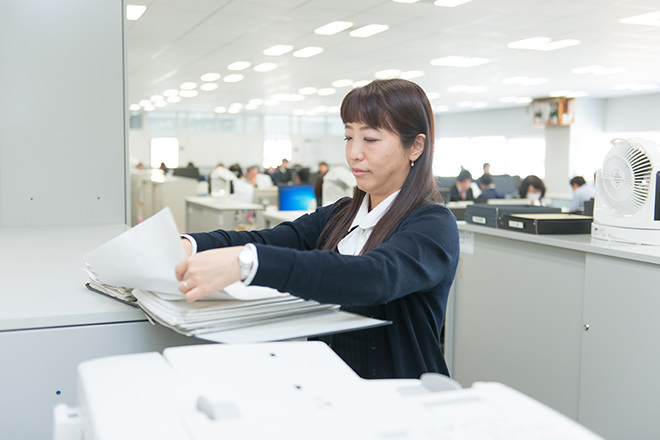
(547, 223)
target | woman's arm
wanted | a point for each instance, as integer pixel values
(421, 254)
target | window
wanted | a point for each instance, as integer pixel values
(165, 150)
(276, 149)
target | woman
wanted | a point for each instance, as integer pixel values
(532, 188)
(389, 252)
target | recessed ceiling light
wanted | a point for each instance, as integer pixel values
(173, 99)
(648, 19)
(256, 101)
(411, 74)
(361, 83)
(450, 3)
(369, 30)
(433, 95)
(220, 109)
(288, 97)
(134, 107)
(251, 106)
(525, 81)
(516, 99)
(459, 61)
(334, 109)
(134, 12)
(568, 93)
(239, 65)
(308, 90)
(271, 102)
(388, 73)
(299, 112)
(333, 28)
(342, 83)
(635, 86)
(265, 67)
(188, 86)
(171, 92)
(188, 93)
(208, 87)
(405, 1)
(211, 76)
(160, 104)
(326, 91)
(542, 43)
(598, 70)
(321, 108)
(149, 108)
(234, 77)
(307, 52)
(156, 98)
(440, 108)
(467, 89)
(277, 50)
(144, 102)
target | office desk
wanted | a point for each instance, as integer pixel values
(274, 218)
(210, 213)
(568, 320)
(49, 323)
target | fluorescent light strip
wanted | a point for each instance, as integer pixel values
(405, 1)
(211, 76)
(369, 30)
(234, 77)
(459, 61)
(134, 12)
(333, 28)
(342, 83)
(648, 19)
(387, 73)
(265, 67)
(411, 74)
(239, 65)
(188, 86)
(277, 50)
(450, 3)
(542, 44)
(208, 87)
(307, 52)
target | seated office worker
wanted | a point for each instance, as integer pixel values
(389, 252)
(462, 189)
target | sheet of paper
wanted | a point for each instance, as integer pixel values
(143, 257)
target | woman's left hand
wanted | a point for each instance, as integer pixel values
(207, 272)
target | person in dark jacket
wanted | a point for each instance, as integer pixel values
(389, 252)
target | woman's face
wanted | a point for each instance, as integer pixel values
(378, 160)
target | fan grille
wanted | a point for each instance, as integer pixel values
(627, 177)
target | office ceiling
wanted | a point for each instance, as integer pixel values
(177, 41)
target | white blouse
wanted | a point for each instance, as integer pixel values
(363, 224)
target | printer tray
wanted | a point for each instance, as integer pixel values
(487, 215)
(547, 223)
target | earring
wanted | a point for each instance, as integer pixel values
(412, 164)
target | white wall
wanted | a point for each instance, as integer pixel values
(62, 155)
(633, 113)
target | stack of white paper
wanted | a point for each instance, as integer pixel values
(138, 267)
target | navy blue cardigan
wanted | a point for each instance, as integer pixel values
(405, 280)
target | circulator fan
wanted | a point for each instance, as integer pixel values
(627, 202)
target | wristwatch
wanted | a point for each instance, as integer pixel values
(246, 259)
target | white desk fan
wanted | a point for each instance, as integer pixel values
(627, 202)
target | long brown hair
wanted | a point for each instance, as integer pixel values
(399, 106)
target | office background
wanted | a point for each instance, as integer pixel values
(65, 165)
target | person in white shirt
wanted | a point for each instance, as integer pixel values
(582, 192)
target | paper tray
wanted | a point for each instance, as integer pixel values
(546, 223)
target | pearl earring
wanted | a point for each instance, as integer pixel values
(412, 164)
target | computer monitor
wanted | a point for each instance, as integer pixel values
(190, 172)
(296, 198)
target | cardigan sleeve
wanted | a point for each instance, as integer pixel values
(421, 254)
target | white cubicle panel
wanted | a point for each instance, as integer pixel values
(566, 319)
(61, 133)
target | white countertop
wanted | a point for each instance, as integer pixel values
(43, 281)
(578, 242)
(222, 203)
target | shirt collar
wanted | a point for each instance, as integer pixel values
(366, 219)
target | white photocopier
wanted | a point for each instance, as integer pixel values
(291, 390)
